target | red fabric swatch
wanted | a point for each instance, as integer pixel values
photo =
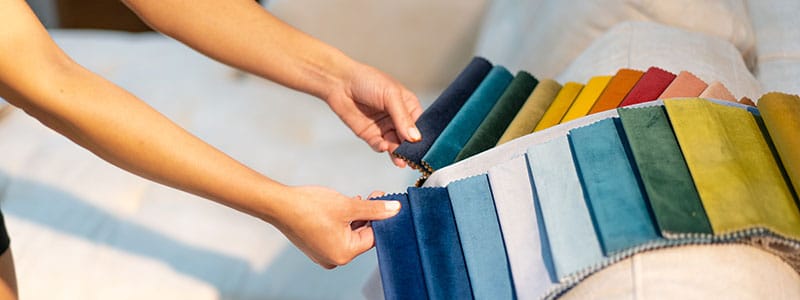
(649, 87)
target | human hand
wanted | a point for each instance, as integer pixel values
(377, 109)
(318, 222)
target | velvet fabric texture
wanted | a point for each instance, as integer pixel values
(781, 115)
(587, 98)
(398, 255)
(524, 237)
(567, 221)
(439, 247)
(481, 238)
(496, 122)
(617, 89)
(532, 111)
(436, 117)
(716, 90)
(665, 176)
(617, 204)
(649, 87)
(445, 149)
(736, 175)
(685, 84)
(560, 105)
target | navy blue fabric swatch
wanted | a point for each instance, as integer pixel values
(610, 180)
(439, 246)
(398, 256)
(436, 117)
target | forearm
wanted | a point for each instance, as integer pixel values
(242, 34)
(126, 132)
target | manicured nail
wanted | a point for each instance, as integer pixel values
(413, 132)
(392, 205)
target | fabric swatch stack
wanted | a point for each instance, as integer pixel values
(581, 176)
(487, 106)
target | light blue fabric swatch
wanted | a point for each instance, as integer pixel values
(611, 185)
(481, 239)
(573, 241)
(450, 142)
(527, 252)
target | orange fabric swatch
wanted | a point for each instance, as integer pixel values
(747, 101)
(617, 89)
(717, 91)
(685, 85)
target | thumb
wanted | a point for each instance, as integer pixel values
(401, 117)
(373, 210)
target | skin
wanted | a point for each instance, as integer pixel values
(38, 77)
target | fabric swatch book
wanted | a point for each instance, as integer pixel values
(550, 204)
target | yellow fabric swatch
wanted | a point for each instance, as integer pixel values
(737, 177)
(781, 114)
(584, 102)
(560, 105)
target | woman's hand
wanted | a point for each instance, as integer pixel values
(320, 221)
(377, 108)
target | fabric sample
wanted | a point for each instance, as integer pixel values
(587, 98)
(570, 232)
(445, 149)
(439, 247)
(617, 89)
(781, 115)
(436, 117)
(737, 177)
(398, 255)
(532, 111)
(616, 201)
(746, 101)
(685, 85)
(481, 238)
(717, 91)
(527, 252)
(665, 176)
(560, 105)
(496, 122)
(649, 87)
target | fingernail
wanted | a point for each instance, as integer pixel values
(413, 132)
(392, 205)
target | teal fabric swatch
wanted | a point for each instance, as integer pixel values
(481, 238)
(567, 221)
(501, 115)
(445, 149)
(611, 186)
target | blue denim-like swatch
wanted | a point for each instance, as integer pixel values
(481, 238)
(568, 224)
(398, 255)
(439, 247)
(436, 117)
(445, 149)
(611, 186)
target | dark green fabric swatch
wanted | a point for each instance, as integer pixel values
(662, 168)
(501, 115)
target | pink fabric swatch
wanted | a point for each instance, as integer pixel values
(685, 85)
(717, 91)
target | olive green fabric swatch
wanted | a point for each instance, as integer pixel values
(532, 111)
(665, 176)
(738, 179)
(500, 116)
